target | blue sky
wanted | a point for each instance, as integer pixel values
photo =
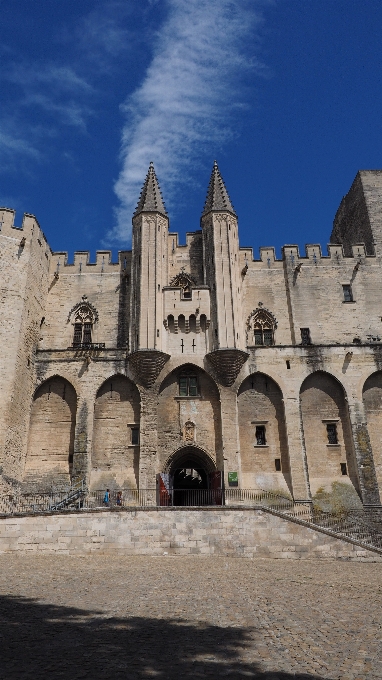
(285, 94)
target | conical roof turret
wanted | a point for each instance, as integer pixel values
(151, 199)
(217, 194)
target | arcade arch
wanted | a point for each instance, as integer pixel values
(327, 433)
(51, 433)
(189, 414)
(262, 432)
(372, 399)
(115, 457)
(193, 478)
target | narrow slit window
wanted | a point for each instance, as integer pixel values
(347, 293)
(305, 336)
(135, 436)
(331, 430)
(344, 469)
(260, 435)
(278, 464)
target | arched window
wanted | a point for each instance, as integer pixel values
(203, 323)
(171, 323)
(182, 322)
(83, 326)
(261, 326)
(192, 322)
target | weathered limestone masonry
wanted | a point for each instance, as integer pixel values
(180, 362)
(235, 533)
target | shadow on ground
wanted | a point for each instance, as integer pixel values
(46, 641)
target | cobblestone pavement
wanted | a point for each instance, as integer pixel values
(188, 617)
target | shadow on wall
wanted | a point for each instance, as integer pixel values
(42, 640)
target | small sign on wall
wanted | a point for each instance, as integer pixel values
(233, 479)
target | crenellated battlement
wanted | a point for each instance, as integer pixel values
(313, 255)
(82, 265)
(29, 231)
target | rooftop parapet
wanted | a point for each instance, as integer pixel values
(82, 265)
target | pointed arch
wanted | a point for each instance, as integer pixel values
(327, 433)
(189, 395)
(372, 400)
(115, 451)
(50, 449)
(187, 455)
(262, 433)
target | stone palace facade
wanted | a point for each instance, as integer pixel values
(186, 360)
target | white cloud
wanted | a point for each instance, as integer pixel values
(14, 145)
(58, 90)
(186, 100)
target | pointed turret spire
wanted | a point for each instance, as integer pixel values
(151, 199)
(217, 194)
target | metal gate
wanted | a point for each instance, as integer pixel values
(167, 496)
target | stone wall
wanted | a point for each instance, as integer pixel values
(358, 219)
(24, 264)
(234, 533)
(51, 433)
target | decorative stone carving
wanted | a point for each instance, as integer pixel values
(189, 431)
(261, 319)
(227, 364)
(147, 364)
(83, 309)
(182, 280)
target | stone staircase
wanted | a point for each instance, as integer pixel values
(14, 502)
(354, 525)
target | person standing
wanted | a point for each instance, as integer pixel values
(106, 498)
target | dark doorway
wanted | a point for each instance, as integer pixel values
(191, 480)
(190, 485)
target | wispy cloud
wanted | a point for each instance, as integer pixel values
(44, 98)
(187, 98)
(57, 90)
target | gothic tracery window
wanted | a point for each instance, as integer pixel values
(261, 327)
(83, 326)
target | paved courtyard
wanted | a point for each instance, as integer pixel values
(188, 617)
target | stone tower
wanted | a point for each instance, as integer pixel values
(359, 217)
(149, 274)
(222, 275)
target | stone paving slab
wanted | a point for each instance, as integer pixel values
(173, 617)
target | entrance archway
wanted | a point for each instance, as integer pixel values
(193, 478)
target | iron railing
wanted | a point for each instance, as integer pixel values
(87, 345)
(354, 524)
(50, 501)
